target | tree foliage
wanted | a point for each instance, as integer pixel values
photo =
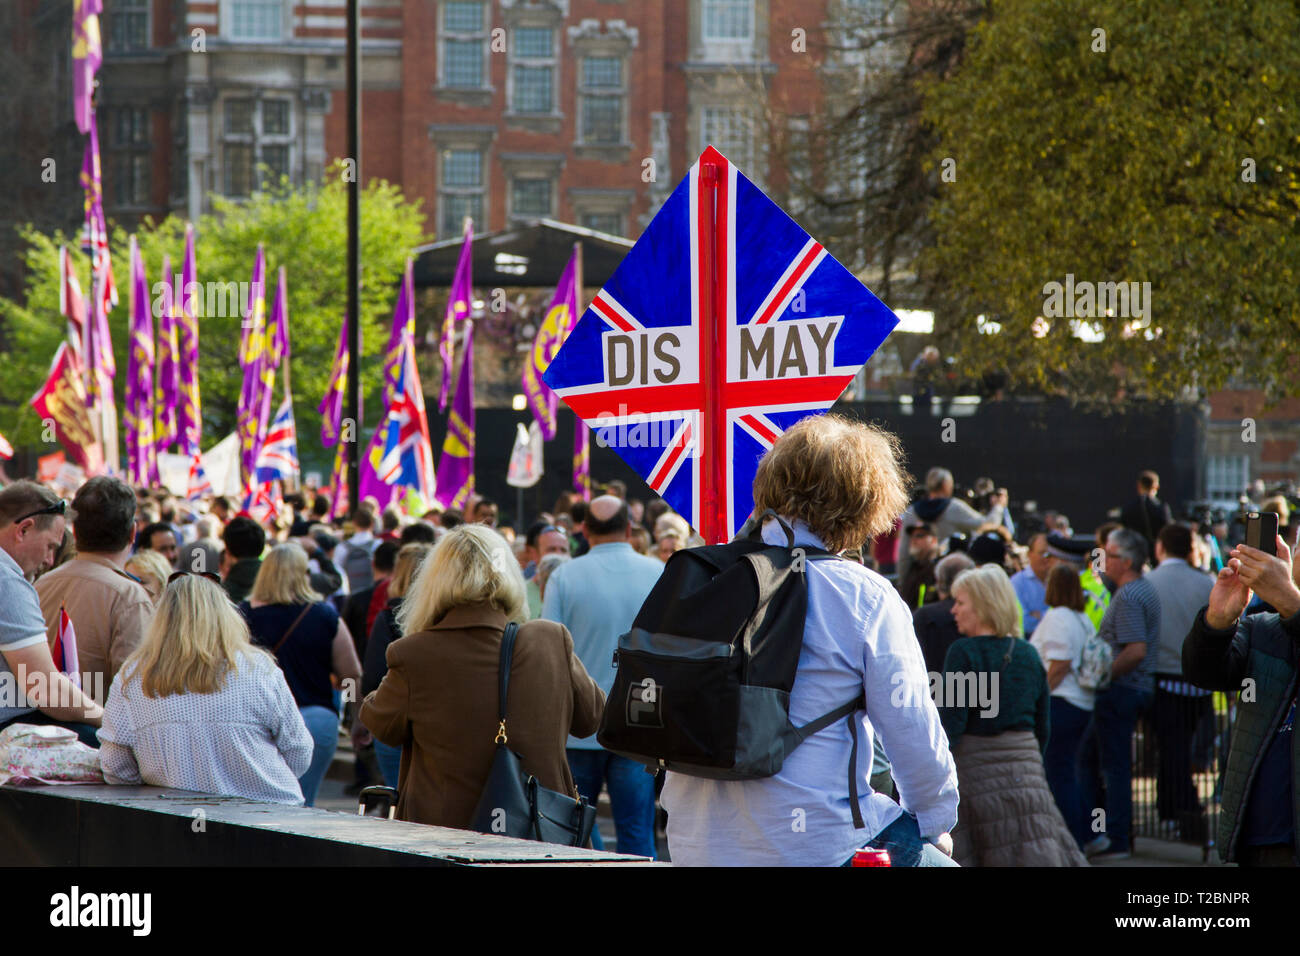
(1131, 164)
(304, 229)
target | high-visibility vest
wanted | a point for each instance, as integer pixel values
(1096, 597)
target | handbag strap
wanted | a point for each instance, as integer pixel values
(503, 677)
(292, 627)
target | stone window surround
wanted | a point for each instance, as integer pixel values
(546, 166)
(257, 139)
(618, 40)
(610, 202)
(550, 15)
(226, 21)
(462, 95)
(470, 137)
(744, 51)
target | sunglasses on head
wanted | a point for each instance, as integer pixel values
(210, 575)
(58, 508)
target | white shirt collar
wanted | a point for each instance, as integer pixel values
(774, 534)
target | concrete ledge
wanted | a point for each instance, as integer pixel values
(150, 826)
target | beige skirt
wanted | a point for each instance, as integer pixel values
(1007, 815)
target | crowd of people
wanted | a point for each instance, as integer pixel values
(223, 654)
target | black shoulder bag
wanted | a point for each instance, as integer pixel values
(513, 803)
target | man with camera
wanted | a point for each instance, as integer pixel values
(1256, 656)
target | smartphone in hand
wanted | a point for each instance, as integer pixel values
(1261, 531)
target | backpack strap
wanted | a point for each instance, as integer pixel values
(825, 720)
(503, 677)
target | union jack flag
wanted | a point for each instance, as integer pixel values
(407, 458)
(198, 484)
(261, 503)
(278, 458)
(724, 325)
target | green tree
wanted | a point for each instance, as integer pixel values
(1123, 156)
(303, 229)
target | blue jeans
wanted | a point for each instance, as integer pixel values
(1061, 764)
(631, 796)
(1113, 721)
(323, 725)
(902, 839)
(390, 762)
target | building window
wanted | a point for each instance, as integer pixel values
(132, 179)
(531, 197)
(131, 126)
(461, 192)
(610, 222)
(602, 100)
(275, 117)
(728, 130)
(464, 43)
(238, 163)
(1226, 476)
(258, 133)
(533, 70)
(128, 26)
(728, 21)
(239, 117)
(256, 20)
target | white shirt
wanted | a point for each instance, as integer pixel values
(858, 637)
(1060, 636)
(246, 740)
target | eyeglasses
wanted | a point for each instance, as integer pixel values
(210, 575)
(58, 508)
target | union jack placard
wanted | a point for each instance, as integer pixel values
(724, 325)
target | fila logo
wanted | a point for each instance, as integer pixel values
(645, 704)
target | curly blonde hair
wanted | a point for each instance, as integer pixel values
(843, 478)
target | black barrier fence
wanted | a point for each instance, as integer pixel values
(1180, 747)
(1061, 456)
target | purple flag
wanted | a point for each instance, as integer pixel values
(560, 320)
(331, 406)
(403, 328)
(251, 346)
(142, 463)
(190, 418)
(455, 481)
(87, 55)
(458, 310)
(275, 349)
(581, 458)
(167, 386)
(100, 366)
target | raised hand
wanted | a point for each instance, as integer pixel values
(1228, 598)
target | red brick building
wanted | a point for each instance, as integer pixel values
(586, 111)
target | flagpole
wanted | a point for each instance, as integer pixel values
(354, 251)
(578, 424)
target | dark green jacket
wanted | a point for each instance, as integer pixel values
(239, 579)
(1263, 648)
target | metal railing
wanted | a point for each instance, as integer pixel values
(1179, 751)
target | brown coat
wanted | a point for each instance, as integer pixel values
(438, 702)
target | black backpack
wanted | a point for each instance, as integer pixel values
(704, 676)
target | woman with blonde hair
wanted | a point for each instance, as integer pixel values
(384, 632)
(152, 570)
(438, 701)
(994, 700)
(198, 707)
(311, 644)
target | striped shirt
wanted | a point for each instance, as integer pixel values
(1134, 615)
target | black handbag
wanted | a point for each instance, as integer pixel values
(513, 803)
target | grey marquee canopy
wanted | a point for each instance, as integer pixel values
(532, 253)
